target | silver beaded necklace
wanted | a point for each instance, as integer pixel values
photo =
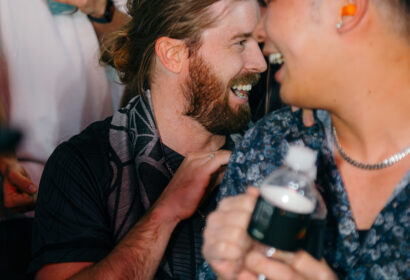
(375, 166)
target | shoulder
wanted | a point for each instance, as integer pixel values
(84, 156)
(264, 146)
(89, 143)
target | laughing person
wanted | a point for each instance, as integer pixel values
(127, 198)
(352, 60)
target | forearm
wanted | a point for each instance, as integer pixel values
(139, 254)
(118, 20)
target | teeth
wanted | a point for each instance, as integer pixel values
(238, 88)
(276, 58)
(243, 87)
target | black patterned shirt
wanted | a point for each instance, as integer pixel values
(384, 252)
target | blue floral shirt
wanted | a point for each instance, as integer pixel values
(385, 251)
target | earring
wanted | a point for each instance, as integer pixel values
(348, 10)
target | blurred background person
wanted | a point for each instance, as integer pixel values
(264, 97)
(56, 88)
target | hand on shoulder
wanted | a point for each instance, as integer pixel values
(197, 173)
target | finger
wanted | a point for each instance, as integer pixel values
(251, 190)
(225, 235)
(226, 260)
(308, 119)
(217, 159)
(245, 202)
(227, 270)
(271, 268)
(307, 265)
(246, 275)
(221, 250)
(233, 242)
(220, 218)
(28, 207)
(92, 7)
(220, 173)
(13, 199)
(19, 178)
(294, 108)
(70, 2)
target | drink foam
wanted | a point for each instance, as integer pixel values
(287, 199)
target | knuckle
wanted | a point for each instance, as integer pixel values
(298, 260)
(220, 248)
(235, 234)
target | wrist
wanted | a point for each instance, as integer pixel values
(165, 213)
(106, 16)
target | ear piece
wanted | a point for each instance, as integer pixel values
(348, 10)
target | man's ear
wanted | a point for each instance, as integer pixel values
(171, 52)
(349, 22)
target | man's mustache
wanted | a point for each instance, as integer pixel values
(247, 78)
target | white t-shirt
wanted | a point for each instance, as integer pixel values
(57, 87)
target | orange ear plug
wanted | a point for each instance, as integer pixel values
(349, 10)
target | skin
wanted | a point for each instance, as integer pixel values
(234, 255)
(19, 192)
(229, 56)
(96, 8)
(368, 108)
(137, 256)
(268, 48)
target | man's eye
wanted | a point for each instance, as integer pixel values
(241, 43)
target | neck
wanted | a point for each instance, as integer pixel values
(180, 133)
(371, 104)
(376, 123)
(373, 122)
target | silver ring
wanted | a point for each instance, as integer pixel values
(270, 252)
(211, 156)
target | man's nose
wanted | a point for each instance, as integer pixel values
(255, 62)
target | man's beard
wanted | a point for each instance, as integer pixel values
(208, 99)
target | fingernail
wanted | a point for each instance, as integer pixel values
(32, 188)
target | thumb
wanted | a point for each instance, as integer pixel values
(308, 119)
(20, 179)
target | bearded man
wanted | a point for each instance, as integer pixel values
(127, 198)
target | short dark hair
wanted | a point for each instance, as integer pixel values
(131, 49)
(400, 9)
(404, 6)
(263, 3)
